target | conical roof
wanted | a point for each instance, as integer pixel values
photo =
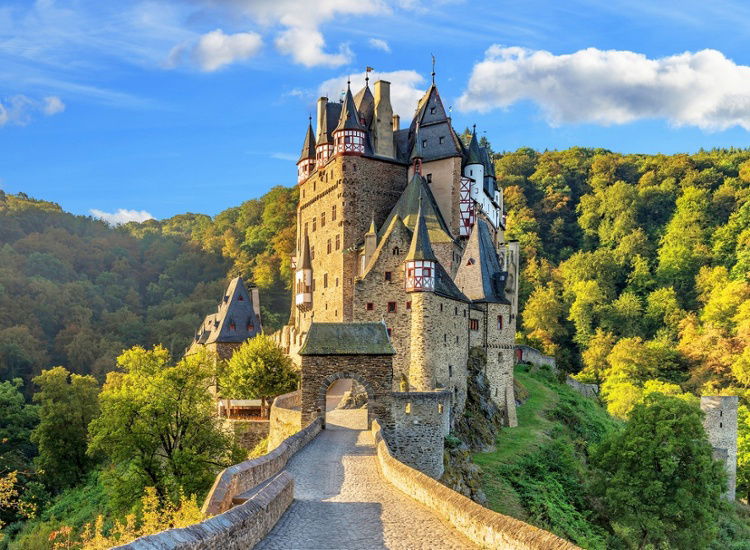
(475, 155)
(480, 275)
(372, 230)
(349, 119)
(236, 319)
(308, 148)
(305, 262)
(420, 248)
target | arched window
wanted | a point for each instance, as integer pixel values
(396, 251)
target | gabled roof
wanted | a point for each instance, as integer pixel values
(430, 101)
(480, 275)
(347, 339)
(236, 319)
(349, 119)
(308, 147)
(407, 208)
(395, 227)
(420, 247)
(365, 102)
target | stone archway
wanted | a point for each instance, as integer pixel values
(373, 372)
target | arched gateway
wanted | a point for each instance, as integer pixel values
(334, 351)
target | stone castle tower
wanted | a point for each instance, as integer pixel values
(720, 424)
(405, 226)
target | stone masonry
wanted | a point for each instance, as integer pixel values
(720, 423)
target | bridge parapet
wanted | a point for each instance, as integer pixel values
(486, 528)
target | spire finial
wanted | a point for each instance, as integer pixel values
(433, 69)
(349, 82)
(474, 126)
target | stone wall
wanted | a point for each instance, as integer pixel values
(374, 372)
(439, 346)
(486, 528)
(248, 433)
(244, 476)
(286, 418)
(500, 337)
(720, 424)
(587, 390)
(420, 422)
(240, 528)
(527, 354)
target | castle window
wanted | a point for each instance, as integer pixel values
(338, 242)
(432, 110)
(325, 280)
(312, 252)
(370, 306)
(429, 178)
(323, 219)
(329, 246)
(456, 338)
(250, 327)
(337, 282)
(232, 326)
(721, 425)
(396, 251)
(450, 371)
(441, 308)
(499, 322)
(314, 224)
(424, 143)
(407, 408)
(240, 298)
(721, 413)
(474, 324)
(441, 140)
(455, 310)
(440, 408)
(408, 306)
(333, 213)
(464, 314)
(315, 184)
(471, 261)
(388, 276)
(392, 307)
(445, 338)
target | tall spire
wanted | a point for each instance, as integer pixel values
(349, 119)
(417, 153)
(420, 248)
(372, 229)
(308, 147)
(475, 155)
(305, 262)
(433, 70)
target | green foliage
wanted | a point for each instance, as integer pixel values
(259, 369)
(67, 404)
(17, 419)
(657, 478)
(157, 427)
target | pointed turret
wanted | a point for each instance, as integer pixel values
(349, 135)
(303, 276)
(420, 262)
(475, 155)
(371, 242)
(306, 162)
(365, 102)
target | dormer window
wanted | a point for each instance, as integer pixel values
(441, 140)
(470, 261)
(432, 110)
(424, 143)
(240, 298)
(232, 326)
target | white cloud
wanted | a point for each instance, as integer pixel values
(299, 23)
(53, 105)
(406, 88)
(284, 156)
(121, 216)
(216, 49)
(20, 109)
(379, 44)
(703, 89)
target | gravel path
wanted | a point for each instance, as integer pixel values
(342, 503)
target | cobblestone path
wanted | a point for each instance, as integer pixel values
(342, 503)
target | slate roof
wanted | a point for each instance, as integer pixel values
(347, 339)
(308, 147)
(444, 285)
(480, 262)
(236, 319)
(305, 262)
(475, 155)
(349, 119)
(416, 150)
(420, 247)
(365, 102)
(407, 208)
(331, 115)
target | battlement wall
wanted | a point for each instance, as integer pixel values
(486, 528)
(285, 418)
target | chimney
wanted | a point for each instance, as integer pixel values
(321, 118)
(382, 131)
(396, 123)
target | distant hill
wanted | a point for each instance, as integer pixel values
(75, 291)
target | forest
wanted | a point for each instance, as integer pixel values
(635, 276)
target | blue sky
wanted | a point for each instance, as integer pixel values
(167, 106)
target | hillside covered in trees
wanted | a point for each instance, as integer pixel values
(76, 292)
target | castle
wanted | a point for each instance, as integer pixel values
(405, 227)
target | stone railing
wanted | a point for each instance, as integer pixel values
(587, 390)
(285, 418)
(242, 527)
(527, 354)
(480, 525)
(244, 476)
